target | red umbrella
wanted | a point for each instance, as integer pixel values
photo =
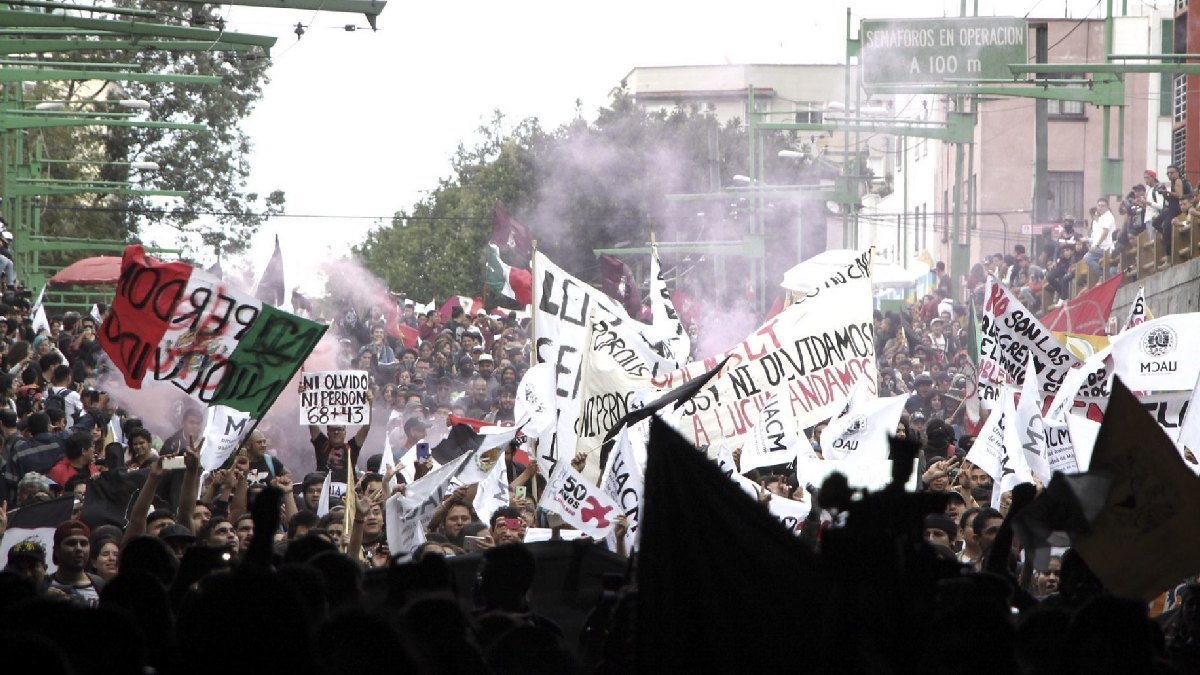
(104, 269)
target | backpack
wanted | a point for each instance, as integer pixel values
(56, 400)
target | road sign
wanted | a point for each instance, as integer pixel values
(933, 51)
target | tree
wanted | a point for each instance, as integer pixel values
(585, 185)
(210, 164)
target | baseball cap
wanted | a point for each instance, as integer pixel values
(917, 417)
(176, 533)
(924, 378)
(28, 549)
(485, 357)
(71, 528)
(943, 522)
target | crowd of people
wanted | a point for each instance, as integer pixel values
(258, 551)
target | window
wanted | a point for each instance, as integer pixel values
(1066, 194)
(1064, 108)
(1179, 99)
(809, 117)
(1179, 147)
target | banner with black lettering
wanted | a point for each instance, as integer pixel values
(335, 397)
(810, 355)
(224, 429)
(775, 438)
(864, 428)
(408, 513)
(624, 482)
(1138, 312)
(665, 323)
(827, 270)
(1047, 448)
(613, 376)
(563, 307)
(1008, 332)
(1014, 467)
(1153, 356)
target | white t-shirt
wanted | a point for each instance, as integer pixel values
(1102, 231)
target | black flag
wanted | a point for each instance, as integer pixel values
(723, 587)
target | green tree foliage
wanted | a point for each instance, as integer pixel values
(211, 164)
(585, 185)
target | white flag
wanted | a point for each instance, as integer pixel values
(95, 314)
(326, 489)
(1189, 434)
(988, 451)
(791, 513)
(676, 343)
(775, 438)
(535, 400)
(828, 269)
(1154, 357)
(584, 506)
(1035, 438)
(408, 513)
(40, 322)
(492, 492)
(1014, 469)
(728, 467)
(388, 460)
(1138, 312)
(624, 483)
(864, 429)
(224, 429)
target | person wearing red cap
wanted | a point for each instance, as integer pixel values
(72, 548)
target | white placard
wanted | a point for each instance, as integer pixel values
(335, 397)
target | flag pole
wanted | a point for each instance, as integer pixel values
(533, 349)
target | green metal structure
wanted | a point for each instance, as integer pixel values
(42, 31)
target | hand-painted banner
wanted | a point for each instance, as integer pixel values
(828, 270)
(775, 438)
(624, 483)
(1138, 312)
(563, 307)
(335, 397)
(665, 321)
(1008, 333)
(1154, 356)
(1047, 448)
(171, 322)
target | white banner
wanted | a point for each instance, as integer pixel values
(535, 399)
(724, 459)
(665, 323)
(492, 492)
(624, 483)
(1007, 333)
(335, 397)
(775, 438)
(1047, 449)
(1014, 469)
(789, 512)
(408, 513)
(1153, 356)
(864, 429)
(224, 429)
(584, 506)
(562, 307)
(828, 269)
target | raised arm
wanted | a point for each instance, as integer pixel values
(191, 484)
(136, 526)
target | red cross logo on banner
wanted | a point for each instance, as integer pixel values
(595, 511)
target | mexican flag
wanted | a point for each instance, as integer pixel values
(173, 323)
(507, 280)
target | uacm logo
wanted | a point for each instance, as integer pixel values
(858, 424)
(1159, 341)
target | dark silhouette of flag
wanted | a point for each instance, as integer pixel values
(712, 562)
(270, 286)
(616, 279)
(36, 522)
(511, 236)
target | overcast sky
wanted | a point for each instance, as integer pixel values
(357, 125)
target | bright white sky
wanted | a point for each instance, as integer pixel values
(357, 125)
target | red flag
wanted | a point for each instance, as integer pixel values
(510, 235)
(1086, 313)
(616, 279)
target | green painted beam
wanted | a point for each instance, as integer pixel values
(751, 246)
(24, 46)
(1176, 68)
(370, 8)
(121, 11)
(14, 19)
(67, 64)
(52, 190)
(24, 75)
(34, 123)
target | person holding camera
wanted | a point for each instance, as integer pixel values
(1175, 189)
